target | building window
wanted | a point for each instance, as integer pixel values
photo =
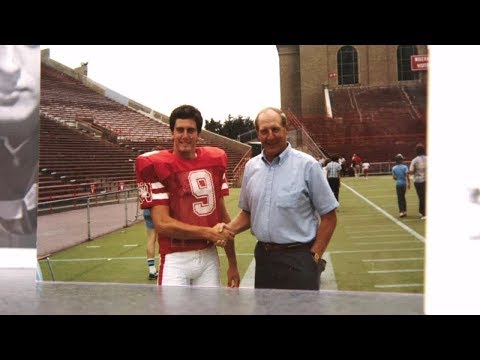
(404, 52)
(347, 64)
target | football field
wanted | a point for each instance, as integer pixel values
(372, 249)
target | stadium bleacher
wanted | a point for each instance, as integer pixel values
(89, 142)
(376, 122)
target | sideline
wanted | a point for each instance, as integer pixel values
(387, 215)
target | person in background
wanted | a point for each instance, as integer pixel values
(365, 167)
(418, 167)
(19, 138)
(286, 201)
(342, 162)
(356, 165)
(333, 169)
(402, 182)
(185, 188)
(151, 240)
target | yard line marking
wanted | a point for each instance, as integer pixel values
(382, 196)
(367, 226)
(101, 258)
(355, 216)
(370, 231)
(394, 271)
(398, 285)
(393, 259)
(377, 236)
(373, 250)
(120, 258)
(368, 187)
(130, 245)
(402, 225)
(383, 242)
(92, 246)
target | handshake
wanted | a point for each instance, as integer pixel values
(221, 234)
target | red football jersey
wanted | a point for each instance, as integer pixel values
(191, 188)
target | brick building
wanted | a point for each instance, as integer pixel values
(306, 70)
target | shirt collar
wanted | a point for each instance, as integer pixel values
(15, 152)
(280, 159)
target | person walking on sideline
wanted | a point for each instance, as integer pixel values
(400, 175)
(334, 169)
(356, 165)
(184, 188)
(418, 167)
(365, 167)
(283, 194)
(151, 240)
(342, 162)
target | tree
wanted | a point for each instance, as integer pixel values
(232, 127)
(213, 126)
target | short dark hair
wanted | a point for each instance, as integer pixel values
(420, 149)
(186, 112)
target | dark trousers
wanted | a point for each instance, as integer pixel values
(334, 185)
(286, 269)
(402, 203)
(421, 188)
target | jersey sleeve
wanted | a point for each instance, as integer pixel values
(151, 191)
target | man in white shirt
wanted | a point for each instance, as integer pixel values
(19, 124)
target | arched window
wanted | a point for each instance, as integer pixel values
(347, 65)
(404, 52)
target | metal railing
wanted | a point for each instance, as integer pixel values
(93, 215)
(379, 168)
(247, 136)
(304, 139)
(237, 173)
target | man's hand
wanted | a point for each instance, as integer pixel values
(233, 277)
(221, 234)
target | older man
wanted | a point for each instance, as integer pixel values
(284, 191)
(19, 104)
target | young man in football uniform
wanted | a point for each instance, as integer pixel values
(184, 188)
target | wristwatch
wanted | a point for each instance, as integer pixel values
(316, 257)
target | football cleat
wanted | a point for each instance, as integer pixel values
(152, 276)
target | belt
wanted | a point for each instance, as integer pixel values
(282, 247)
(185, 242)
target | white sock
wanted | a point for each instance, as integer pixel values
(152, 269)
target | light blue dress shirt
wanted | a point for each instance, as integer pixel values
(285, 197)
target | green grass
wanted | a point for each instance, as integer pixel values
(369, 252)
(121, 255)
